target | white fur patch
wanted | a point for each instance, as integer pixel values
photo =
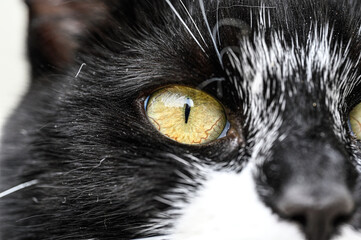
(228, 207)
(348, 233)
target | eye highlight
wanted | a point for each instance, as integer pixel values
(186, 115)
(355, 121)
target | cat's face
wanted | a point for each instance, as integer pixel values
(187, 120)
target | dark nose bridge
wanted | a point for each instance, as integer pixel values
(312, 156)
(314, 191)
(314, 151)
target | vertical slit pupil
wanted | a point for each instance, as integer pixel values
(187, 110)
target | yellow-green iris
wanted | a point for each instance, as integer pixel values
(186, 115)
(355, 121)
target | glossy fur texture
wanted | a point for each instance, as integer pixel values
(80, 160)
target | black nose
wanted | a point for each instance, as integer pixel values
(318, 212)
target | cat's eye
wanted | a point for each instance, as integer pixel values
(355, 121)
(186, 115)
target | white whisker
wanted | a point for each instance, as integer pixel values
(184, 24)
(217, 24)
(231, 22)
(194, 23)
(18, 188)
(79, 71)
(246, 6)
(209, 81)
(201, 3)
(100, 163)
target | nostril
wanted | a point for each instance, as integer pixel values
(299, 218)
(342, 218)
(317, 212)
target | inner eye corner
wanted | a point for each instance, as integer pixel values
(145, 102)
(186, 115)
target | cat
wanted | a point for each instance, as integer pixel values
(98, 148)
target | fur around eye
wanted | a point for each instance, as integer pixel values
(186, 115)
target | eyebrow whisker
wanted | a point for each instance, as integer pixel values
(184, 24)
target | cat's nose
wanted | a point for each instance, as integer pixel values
(319, 213)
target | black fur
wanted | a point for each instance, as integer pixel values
(99, 162)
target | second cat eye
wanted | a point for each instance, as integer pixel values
(355, 121)
(186, 115)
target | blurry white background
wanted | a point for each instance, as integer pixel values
(13, 65)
